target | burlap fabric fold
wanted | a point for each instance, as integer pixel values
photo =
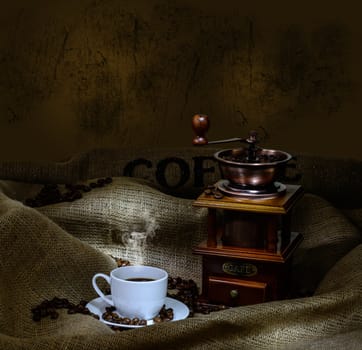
(327, 236)
(130, 219)
(39, 260)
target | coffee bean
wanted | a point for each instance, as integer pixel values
(108, 180)
(51, 193)
(110, 309)
(111, 316)
(121, 262)
(135, 321)
(57, 303)
(87, 188)
(218, 195)
(65, 303)
(36, 316)
(54, 315)
(157, 319)
(208, 192)
(187, 292)
(85, 311)
(126, 320)
(76, 195)
(107, 317)
(164, 315)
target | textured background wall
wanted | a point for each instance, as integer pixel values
(76, 75)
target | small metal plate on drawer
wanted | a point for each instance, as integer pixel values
(239, 269)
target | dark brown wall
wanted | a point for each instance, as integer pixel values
(76, 75)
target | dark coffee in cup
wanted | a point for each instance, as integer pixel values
(140, 279)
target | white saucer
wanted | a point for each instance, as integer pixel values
(98, 306)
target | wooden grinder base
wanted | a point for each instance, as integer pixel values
(248, 252)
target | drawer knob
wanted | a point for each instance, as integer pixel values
(234, 293)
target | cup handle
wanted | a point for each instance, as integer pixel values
(99, 292)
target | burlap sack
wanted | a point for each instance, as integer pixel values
(40, 260)
(131, 219)
(327, 236)
(355, 216)
(326, 232)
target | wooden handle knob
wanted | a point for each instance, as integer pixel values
(200, 124)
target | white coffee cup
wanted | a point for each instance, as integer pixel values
(135, 298)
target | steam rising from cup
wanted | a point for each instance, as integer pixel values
(136, 240)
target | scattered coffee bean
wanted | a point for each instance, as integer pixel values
(108, 180)
(48, 308)
(111, 316)
(186, 292)
(212, 190)
(208, 192)
(121, 262)
(126, 320)
(135, 321)
(52, 193)
(218, 195)
(157, 319)
(54, 315)
(110, 309)
(101, 182)
(36, 315)
(164, 315)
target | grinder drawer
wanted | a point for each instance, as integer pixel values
(235, 292)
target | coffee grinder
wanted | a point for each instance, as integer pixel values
(246, 258)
